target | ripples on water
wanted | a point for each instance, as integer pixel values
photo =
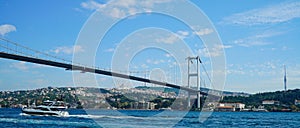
(139, 118)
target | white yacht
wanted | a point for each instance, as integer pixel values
(56, 108)
(60, 105)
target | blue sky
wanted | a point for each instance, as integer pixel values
(258, 38)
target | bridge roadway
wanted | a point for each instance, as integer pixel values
(92, 70)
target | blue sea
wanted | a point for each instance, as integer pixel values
(145, 118)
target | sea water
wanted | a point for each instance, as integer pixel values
(146, 118)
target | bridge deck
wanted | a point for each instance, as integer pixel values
(92, 70)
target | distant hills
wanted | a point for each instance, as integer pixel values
(286, 99)
(226, 93)
(217, 92)
(25, 97)
(78, 97)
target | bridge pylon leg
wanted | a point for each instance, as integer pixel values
(189, 100)
(198, 100)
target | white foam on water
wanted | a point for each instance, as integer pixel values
(86, 116)
(42, 121)
(23, 114)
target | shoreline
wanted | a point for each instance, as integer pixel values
(174, 110)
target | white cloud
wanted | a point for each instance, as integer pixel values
(235, 72)
(78, 48)
(120, 8)
(268, 74)
(110, 50)
(282, 12)
(148, 61)
(125, 3)
(92, 5)
(20, 65)
(172, 38)
(6, 28)
(284, 48)
(39, 82)
(144, 66)
(68, 49)
(215, 51)
(168, 39)
(256, 40)
(183, 34)
(156, 62)
(25, 67)
(168, 55)
(248, 42)
(204, 31)
(117, 13)
(268, 68)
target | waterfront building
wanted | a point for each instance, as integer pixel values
(225, 108)
(297, 102)
(230, 107)
(143, 105)
(270, 102)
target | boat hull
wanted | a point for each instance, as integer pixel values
(30, 111)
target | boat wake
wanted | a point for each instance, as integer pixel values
(104, 116)
(82, 116)
(101, 116)
(120, 117)
(24, 114)
(86, 116)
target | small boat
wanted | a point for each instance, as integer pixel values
(165, 109)
(51, 108)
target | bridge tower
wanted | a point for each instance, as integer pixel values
(194, 74)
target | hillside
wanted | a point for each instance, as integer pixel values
(79, 97)
(24, 97)
(86, 97)
(286, 98)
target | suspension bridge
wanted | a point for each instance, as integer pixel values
(15, 51)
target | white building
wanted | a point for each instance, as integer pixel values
(270, 102)
(297, 102)
(231, 106)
